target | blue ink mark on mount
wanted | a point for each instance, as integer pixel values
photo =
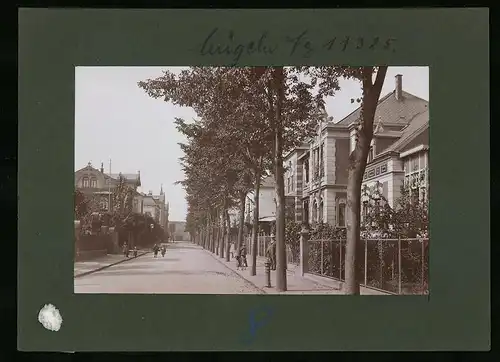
(257, 319)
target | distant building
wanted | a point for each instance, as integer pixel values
(157, 207)
(177, 231)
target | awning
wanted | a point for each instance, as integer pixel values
(267, 218)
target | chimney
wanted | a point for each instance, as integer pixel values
(102, 167)
(398, 92)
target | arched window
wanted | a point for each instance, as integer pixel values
(93, 182)
(85, 182)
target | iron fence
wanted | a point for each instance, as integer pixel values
(263, 242)
(398, 266)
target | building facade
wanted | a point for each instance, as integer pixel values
(96, 182)
(177, 231)
(317, 172)
(93, 181)
(267, 202)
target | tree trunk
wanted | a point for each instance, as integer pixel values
(281, 284)
(356, 169)
(239, 241)
(222, 231)
(210, 234)
(228, 233)
(255, 226)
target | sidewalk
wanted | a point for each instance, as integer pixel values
(296, 284)
(82, 268)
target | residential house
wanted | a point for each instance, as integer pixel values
(93, 181)
(267, 205)
(399, 146)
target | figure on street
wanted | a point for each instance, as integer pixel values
(271, 254)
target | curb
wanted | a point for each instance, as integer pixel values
(109, 265)
(262, 291)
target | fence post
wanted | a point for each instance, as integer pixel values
(399, 266)
(366, 262)
(322, 268)
(304, 249)
(423, 265)
(340, 259)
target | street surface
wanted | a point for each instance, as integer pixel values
(185, 269)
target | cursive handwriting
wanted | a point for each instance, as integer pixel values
(227, 45)
(300, 43)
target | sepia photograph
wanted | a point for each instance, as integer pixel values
(303, 180)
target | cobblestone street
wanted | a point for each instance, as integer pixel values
(185, 269)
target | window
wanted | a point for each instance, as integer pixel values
(93, 183)
(414, 164)
(341, 215)
(105, 204)
(315, 211)
(306, 170)
(370, 155)
(306, 211)
(365, 209)
(322, 160)
(85, 182)
(321, 211)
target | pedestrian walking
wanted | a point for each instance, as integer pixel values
(135, 251)
(271, 254)
(163, 250)
(125, 249)
(243, 254)
(231, 250)
(155, 250)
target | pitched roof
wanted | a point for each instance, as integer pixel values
(128, 176)
(418, 124)
(390, 110)
(116, 176)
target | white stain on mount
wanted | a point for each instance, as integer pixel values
(50, 317)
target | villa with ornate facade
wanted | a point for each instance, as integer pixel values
(96, 182)
(317, 172)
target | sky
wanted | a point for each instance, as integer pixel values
(115, 120)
